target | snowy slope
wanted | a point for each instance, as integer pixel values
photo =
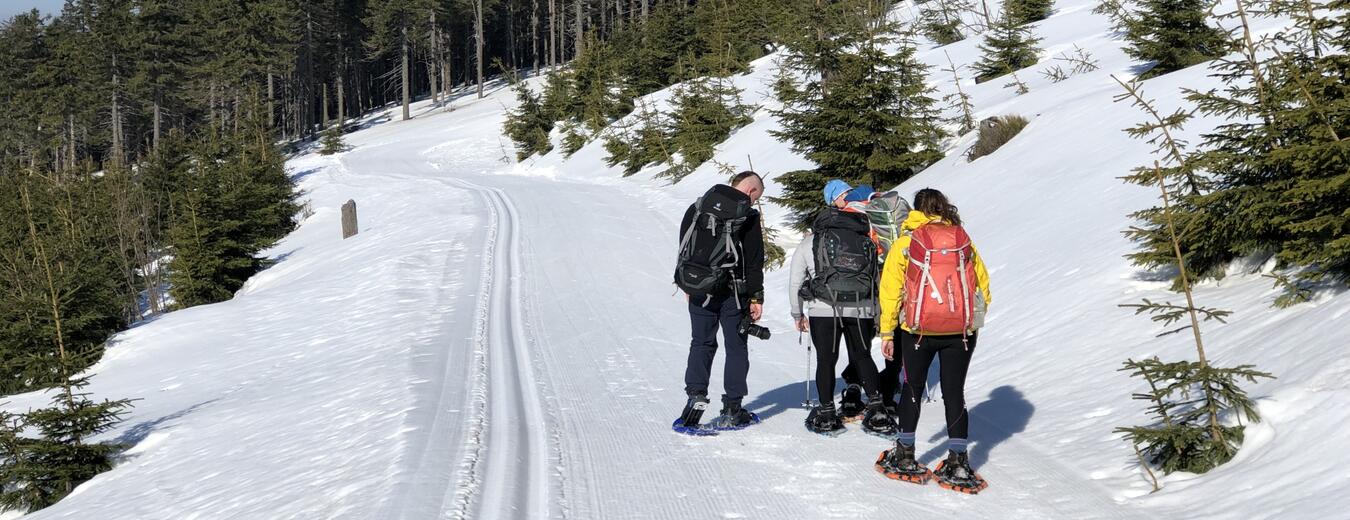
(502, 341)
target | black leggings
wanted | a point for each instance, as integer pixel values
(857, 334)
(955, 355)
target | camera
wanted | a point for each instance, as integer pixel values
(749, 328)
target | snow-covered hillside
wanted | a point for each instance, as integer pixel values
(502, 340)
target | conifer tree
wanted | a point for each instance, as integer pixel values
(941, 20)
(236, 201)
(871, 119)
(703, 114)
(528, 125)
(1173, 35)
(1008, 46)
(1022, 12)
(67, 305)
(600, 93)
(331, 142)
(1280, 164)
(642, 141)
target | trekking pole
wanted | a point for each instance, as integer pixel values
(807, 403)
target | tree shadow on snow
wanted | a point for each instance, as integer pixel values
(1004, 414)
(135, 434)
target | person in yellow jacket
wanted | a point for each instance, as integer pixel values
(916, 352)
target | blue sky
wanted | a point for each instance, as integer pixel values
(10, 8)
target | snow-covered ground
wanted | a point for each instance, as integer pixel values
(502, 340)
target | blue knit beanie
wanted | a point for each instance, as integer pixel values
(834, 189)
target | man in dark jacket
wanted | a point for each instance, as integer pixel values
(725, 306)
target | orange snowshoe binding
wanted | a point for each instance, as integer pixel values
(955, 474)
(898, 463)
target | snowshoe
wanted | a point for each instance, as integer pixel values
(688, 422)
(898, 463)
(733, 417)
(955, 474)
(851, 406)
(879, 423)
(822, 420)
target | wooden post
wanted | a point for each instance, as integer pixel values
(348, 219)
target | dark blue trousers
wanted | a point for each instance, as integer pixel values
(704, 321)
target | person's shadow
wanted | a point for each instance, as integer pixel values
(1005, 413)
(786, 397)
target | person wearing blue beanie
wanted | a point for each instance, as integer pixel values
(834, 190)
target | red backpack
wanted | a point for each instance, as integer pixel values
(940, 281)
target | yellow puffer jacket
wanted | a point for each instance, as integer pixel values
(893, 274)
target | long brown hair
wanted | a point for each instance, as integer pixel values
(933, 202)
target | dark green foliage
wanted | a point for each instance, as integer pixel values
(1007, 46)
(59, 301)
(1173, 34)
(994, 133)
(1276, 173)
(235, 201)
(557, 96)
(1184, 397)
(36, 472)
(528, 125)
(55, 246)
(1293, 293)
(1168, 313)
(1022, 12)
(573, 138)
(331, 142)
(641, 142)
(871, 119)
(704, 114)
(941, 20)
(601, 96)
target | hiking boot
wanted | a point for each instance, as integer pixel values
(850, 401)
(877, 422)
(733, 417)
(693, 410)
(824, 421)
(956, 474)
(898, 463)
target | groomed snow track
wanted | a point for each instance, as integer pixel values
(505, 470)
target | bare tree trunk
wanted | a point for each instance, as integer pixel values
(433, 59)
(118, 143)
(579, 37)
(407, 93)
(478, 41)
(341, 100)
(618, 15)
(644, 9)
(552, 33)
(447, 72)
(158, 117)
(70, 152)
(511, 34)
(534, 34)
(325, 105)
(271, 98)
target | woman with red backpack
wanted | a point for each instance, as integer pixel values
(935, 288)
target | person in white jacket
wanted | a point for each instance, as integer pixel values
(856, 325)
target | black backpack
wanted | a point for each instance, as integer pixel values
(845, 258)
(708, 249)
